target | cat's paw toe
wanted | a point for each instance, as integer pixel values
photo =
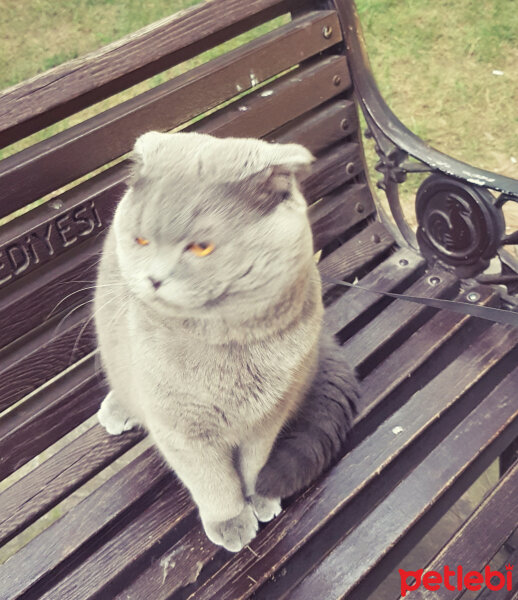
(265, 509)
(235, 533)
(113, 419)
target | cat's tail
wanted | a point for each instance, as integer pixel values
(316, 434)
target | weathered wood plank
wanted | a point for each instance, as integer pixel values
(40, 490)
(320, 129)
(327, 500)
(52, 412)
(386, 331)
(50, 164)
(338, 212)
(70, 87)
(478, 540)
(349, 258)
(475, 442)
(46, 354)
(34, 563)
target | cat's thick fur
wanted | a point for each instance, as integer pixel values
(221, 357)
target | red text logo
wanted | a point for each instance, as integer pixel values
(456, 579)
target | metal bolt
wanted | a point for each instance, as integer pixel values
(344, 124)
(473, 296)
(403, 262)
(359, 207)
(434, 280)
(327, 31)
(337, 80)
(375, 238)
(349, 168)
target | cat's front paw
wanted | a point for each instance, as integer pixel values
(235, 533)
(265, 509)
(113, 418)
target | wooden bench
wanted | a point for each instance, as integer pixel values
(86, 515)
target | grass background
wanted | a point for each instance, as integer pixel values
(448, 69)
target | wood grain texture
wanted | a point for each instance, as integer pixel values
(386, 331)
(62, 541)
(44, 487)
(45, 355)
(70, 87)
(338, 212)
(158, 525)
(478, 540)
(476, 441)
(50, 164)
(50, 413)
(349, 258)
(350, 479)
(320, 128)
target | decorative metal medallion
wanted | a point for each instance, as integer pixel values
(458, 224)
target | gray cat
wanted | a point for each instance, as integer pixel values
(209, 319)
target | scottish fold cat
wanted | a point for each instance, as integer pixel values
(208, 313)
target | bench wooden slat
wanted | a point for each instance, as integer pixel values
(481, 536)
(327, 501)
(44, 487)
(179, 568)
(478, 439)
(382, 391)
(348, 312)
(48, 353)
(129, 488)
(296, 93)
(370, 244)
(384, 333)
(68, 88)
(50, 164)
(49, 414)
(338, 212)
(336, 166)
(169, 515)
(322, 128)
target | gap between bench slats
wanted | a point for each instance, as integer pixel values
(85, 219)
(66, 89)
(460, 458)
(476, 542)
(50, 164)
(323, 507)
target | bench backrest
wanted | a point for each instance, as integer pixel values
(57, 195)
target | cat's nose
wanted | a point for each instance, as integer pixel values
(155, 283)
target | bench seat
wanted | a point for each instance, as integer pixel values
(88, 515)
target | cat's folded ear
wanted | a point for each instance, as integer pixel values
(277, 182)
(146, 149)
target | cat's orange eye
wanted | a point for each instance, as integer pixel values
(201, 249)
(142, 241)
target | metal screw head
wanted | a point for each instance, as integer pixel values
(349, 168)
(375, 238)
(434, 280)
(327, 31)
(403, 262)
(359, 207)
(337, 80)
(344, 124)
(473, 296)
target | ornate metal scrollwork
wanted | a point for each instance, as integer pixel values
(458, 224)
